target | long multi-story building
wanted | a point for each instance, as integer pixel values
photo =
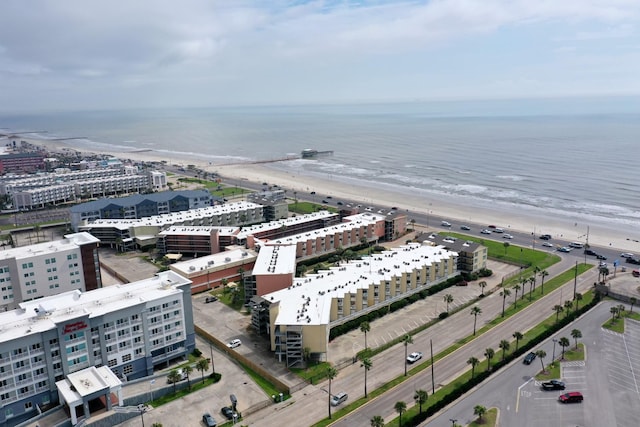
(21, 162)
(45, 269)
(139, 206)
(13, 183)
(196, 240)
(128, 234)
(302, 314)
(129, 328)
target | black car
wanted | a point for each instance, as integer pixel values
(208, 420)
(553, 385)
(598, 256)
(590, 252)
(211, 299)
(529, 358)
(228, 412)
(633, 261)
(545, 237)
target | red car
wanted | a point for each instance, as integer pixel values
(571, 397)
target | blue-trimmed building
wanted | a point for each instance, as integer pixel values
(140, 206)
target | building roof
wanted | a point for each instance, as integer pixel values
(275, 259)
(308, 300)
(286, 222)
(203, 230)
(163, 196)
(451, 243)
(70, 241)
(44, 314)
(213, 262)
(173, 217)
(87, 382)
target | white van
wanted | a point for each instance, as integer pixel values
(339, 398)
(234, 343)
(576, 245)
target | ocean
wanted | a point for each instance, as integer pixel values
(573, 157)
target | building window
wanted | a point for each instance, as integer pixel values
(28, 405)
(126, 358)
(112, 363)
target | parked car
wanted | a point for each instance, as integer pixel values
(337, 399)
(228, 413)
(462, 283)
(465, 227)
(571, 397)
(208, 420)
(182, 375)
(211, 299)
(530, 357)
(234, 343)
(414, 357)
(635, 273)
(553, 385)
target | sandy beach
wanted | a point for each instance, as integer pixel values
(482, 212)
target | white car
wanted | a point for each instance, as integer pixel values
(547, 244)
(486, 231)
(507, 236)
(414, 357)
(234, 343)
(445, 224)
(627, 255)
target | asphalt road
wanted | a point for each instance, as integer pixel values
(521, 402)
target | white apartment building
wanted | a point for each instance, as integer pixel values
(130, 328)
(46, 269)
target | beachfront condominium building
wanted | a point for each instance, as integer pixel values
(45, 269)
(472, 256)
(127, 234)
(301, 315)
(139, 206)
(129, 328)
(196, 240)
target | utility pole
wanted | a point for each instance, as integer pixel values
(433, 379)
(575, 281)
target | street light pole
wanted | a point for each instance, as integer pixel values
(142, 410)
(553, 357)
(453, 422)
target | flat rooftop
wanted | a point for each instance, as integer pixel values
(308, 300)
(202, 230)
(44, 314)
(286, 222)
(275, 259)
(214, 261)
(70, 241)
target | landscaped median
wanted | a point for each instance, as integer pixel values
(452, 391)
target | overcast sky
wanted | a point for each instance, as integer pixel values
(78, 54)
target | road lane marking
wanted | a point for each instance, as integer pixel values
(520, 391)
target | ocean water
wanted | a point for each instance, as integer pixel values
(576, 158)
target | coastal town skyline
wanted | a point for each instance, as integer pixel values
(71, 57)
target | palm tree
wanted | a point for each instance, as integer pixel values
(613, 311)
(523, 282)
(202, 366)
(400, 408)
(489, 353)
(364, 328)
(366, 364)
(532, 285)
(173, 378)
(620, 310)
(564, 343)
(406, 341)
(541, 354)
(568, 305)
(558, 309)
(504, 294)
(377, 421)
(518, 336)
(475, 311)
(473, 361)
(188, 370)
(421, 397)
(448, 298)
(331, 373)
(632, 301)
(506, 246)
(578, 299)
(482, 285)
(516, 288)
(576, 334)
(479, 410)
(543, 274)
(504, 345)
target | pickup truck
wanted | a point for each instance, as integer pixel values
(552, 385)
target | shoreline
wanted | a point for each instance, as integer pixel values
(413, 200)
